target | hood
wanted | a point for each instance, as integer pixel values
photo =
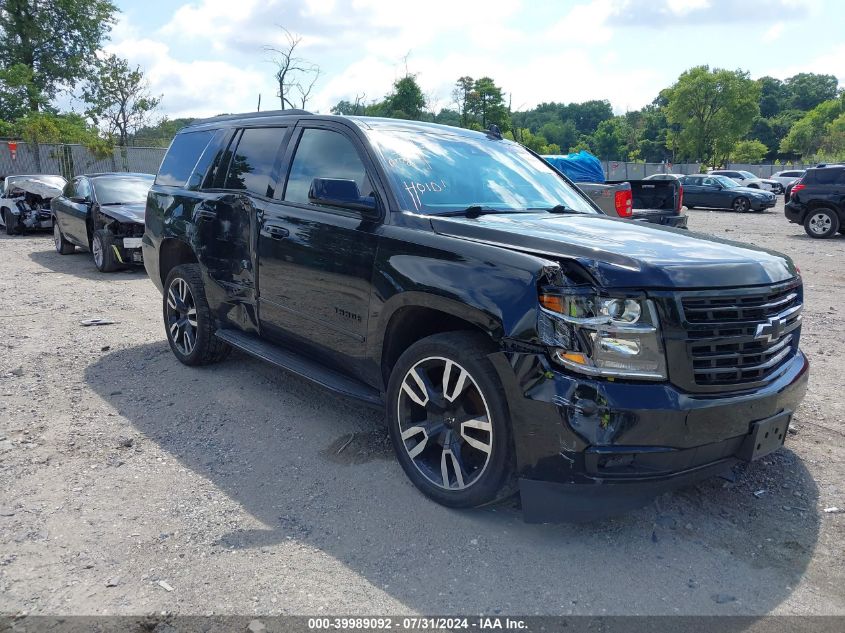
(46, 186)
(131, 212)
(752, 191)
(626, 253)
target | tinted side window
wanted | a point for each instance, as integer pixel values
(692, 180)
(251, 168)
(324, 154)
(181, 158)
(825, 176)
(208, 162)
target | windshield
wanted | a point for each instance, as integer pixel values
(747, 174)
(122, 190)
(726, 182)
(436, 173)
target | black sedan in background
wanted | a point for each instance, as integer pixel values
(103, 213)
(721, 192)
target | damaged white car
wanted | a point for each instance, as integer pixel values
(25, 201)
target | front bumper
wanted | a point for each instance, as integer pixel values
(762, 205)
(128, 251)
(588, 448)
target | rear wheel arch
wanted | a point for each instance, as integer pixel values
(171, 253)
(412, 322)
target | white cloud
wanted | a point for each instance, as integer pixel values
(196, 88)
(208, 57)
(828, 64)
(774, 32)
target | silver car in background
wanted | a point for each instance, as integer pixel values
(747, 179)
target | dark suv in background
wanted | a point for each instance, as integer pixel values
(817, 202)
(516, 337)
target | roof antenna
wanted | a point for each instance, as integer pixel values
(494, 131)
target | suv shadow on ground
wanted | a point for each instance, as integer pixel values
(285, 451)
(79, 264)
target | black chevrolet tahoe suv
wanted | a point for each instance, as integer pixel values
(517, 338)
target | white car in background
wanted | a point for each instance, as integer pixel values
(25, 201)
(788, 176)
(747, 179)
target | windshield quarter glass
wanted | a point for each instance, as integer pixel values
(436, 173)
(122, 190)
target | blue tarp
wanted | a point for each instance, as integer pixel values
(580, 167)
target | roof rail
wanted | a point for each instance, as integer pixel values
(250, 115)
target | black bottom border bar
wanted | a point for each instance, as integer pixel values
(366, 624)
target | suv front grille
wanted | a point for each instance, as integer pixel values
(740, 338)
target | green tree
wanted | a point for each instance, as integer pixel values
(774, 96)
(711, 111)
(808, 135)
(119, 98)
(56, 40)
(752, 151)
(448, 117)
(833, 147)
(18, 92)
(160, 134)
(490, 108)
(613, 140)
(465, 98)
(587, 115)
(807, 90)
(561, 133)
(534, 142)
(407, 100)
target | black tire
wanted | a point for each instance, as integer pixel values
(201, 346)
(11, 222)
(453, 444)
(102, 250)
(63, 247)
(821, 223)
(741, 204)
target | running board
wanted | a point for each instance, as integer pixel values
(301, 366)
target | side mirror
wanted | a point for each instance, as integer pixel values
(337, 192)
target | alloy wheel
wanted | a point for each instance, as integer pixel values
(741, 205)
(97, 250)
(181, 316)
(820, 223)
(444, 423)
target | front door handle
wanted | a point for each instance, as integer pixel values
(275, 232)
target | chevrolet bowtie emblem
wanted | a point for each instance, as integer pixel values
(770, 331)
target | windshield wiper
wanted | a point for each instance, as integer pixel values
(475, 210)
(558, 208)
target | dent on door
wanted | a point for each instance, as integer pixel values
(223, 238)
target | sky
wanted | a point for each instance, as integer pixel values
(208, 57)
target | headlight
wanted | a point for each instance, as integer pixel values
(603, 336)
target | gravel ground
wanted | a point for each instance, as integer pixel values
(132, 484)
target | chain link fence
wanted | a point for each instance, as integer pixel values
(617, 170)
(72, 160)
